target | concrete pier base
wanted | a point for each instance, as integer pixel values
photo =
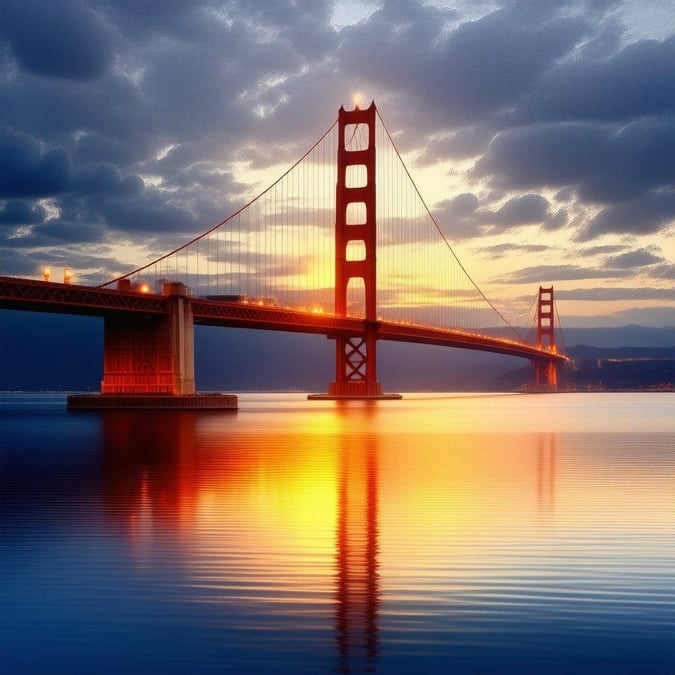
(152, 402)
(346, 397)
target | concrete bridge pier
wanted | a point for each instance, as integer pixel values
(153, 354)
(148, 361)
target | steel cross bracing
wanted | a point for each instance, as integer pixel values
(32, 295)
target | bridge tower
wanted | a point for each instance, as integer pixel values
(356, 222)
(546, 372)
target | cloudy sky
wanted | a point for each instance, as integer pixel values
(541, 133)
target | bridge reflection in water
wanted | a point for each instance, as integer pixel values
(303, 538)
(285, 527)
(169, 474)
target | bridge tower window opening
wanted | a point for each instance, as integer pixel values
(356, 176)
(356, 250)
(357, 213)
(357, 136)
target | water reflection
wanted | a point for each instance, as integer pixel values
(149, 469)
(167, 472)
(297, 530)
(357, 550)
(546, 468)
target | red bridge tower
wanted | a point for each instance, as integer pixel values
(546, 372)
(356, 221)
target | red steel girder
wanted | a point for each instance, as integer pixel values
(45, 296)
(32, 295)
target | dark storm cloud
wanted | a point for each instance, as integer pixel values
(592, 251)
(632, 259)
(26, 170)
(124, 118)
(53, 233)
(464, 217)
(56, 38)
(457, 216)
(464, 143)
(153, 214)
(106, 179)
(651, 213)
(524, 210)
(500, 250)
(635, 81)
(18, 212)
(666, 271)
(552, 273)
(603, 164)
(605, 294)
(466, 70)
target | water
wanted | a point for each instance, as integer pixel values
(488, 534)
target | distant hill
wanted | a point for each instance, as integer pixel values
(624, 336)
(608, 369)
(592, 352)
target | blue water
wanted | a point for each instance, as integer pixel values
(441, 533)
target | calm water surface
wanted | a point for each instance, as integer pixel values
(441, 533)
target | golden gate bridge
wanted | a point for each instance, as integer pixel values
(344, 248)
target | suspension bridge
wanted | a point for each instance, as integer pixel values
(345, 248)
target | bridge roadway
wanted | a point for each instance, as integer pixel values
(43, 296)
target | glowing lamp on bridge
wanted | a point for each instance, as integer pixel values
(46, 273)
(67, 275)
(144, 288)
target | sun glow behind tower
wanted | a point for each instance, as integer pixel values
(279, 249)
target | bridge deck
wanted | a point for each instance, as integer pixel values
(42, 296)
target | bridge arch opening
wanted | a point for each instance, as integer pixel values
(356, 297)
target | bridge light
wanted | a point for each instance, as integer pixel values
(46, 273)
(144, 288)
(67, 275)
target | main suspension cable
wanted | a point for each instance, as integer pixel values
(440, 231)
(222, 222)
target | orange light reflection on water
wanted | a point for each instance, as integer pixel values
(330, 509)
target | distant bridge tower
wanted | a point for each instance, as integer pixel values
(356, 221)
(546, 372)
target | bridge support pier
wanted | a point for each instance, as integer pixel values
(546, 375)
(148, 361)
(151, 355)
